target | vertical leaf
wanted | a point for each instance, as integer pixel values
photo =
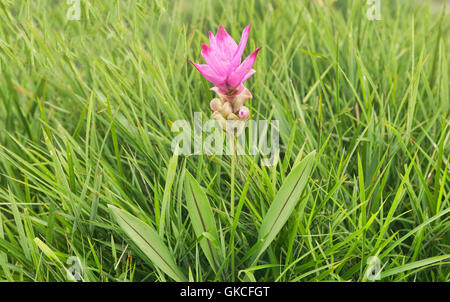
(171, 169)
(202, 220)
(284, 203)
(148, 240)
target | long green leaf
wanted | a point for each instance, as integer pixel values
(284, 203)
(414, 265)
(202, 220)
(148, 240)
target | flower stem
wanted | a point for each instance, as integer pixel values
(233, 170)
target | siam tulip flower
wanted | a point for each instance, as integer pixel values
(224, 69)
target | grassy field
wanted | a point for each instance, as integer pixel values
(89, 183)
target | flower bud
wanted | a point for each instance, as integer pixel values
(215, 104)
(244, 113)
(226, 109)
(232, 117)
(218, 117)
(240, 99)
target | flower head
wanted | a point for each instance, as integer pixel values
(224, 69)
(223, 65)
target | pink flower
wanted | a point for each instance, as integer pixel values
(223, 65)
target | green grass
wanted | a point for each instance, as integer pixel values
(87, 171)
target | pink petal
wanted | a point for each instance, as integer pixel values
(240, 49)
(225, 42)
(214, 60)
(248, 75)
(237, 77)
(212, 39)
(209, 74)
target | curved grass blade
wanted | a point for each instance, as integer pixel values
(284, 203)
(202, 220)
(414, 265)
(148, 240)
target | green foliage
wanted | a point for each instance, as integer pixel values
(202, 220)
(284, 202)
(86, 109)
(148, 240)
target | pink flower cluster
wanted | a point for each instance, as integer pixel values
(224, 69)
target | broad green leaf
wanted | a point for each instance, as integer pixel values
(202, 220)
(148, 240)
(284, 203)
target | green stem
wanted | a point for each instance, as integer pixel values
(233, 169)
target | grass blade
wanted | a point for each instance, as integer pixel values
(414, 265)
(171, 169)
